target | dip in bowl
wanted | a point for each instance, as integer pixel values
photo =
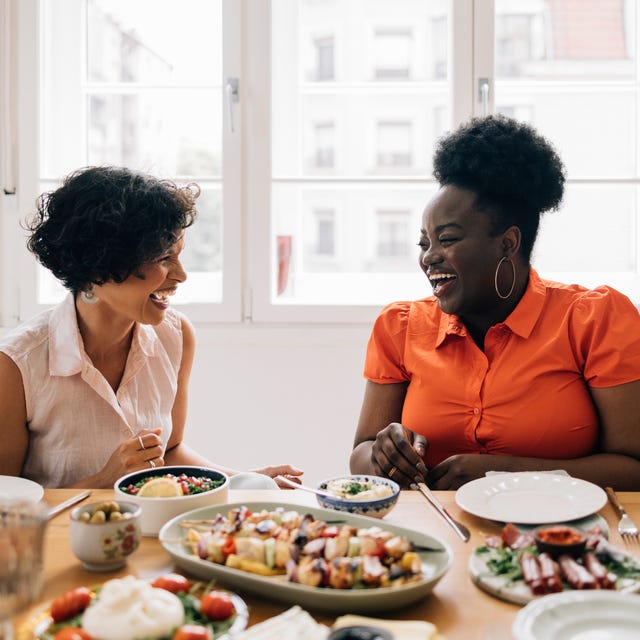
(166, 492)
(558, 540)
(365, 495)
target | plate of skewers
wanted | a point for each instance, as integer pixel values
(520, 565)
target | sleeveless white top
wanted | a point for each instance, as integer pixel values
(74, 417)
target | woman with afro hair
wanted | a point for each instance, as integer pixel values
(499, 369)
(97, 386)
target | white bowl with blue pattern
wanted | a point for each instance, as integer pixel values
(359, 501)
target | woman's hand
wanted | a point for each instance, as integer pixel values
(457, 470)
(292, 473)
(142, 451)
(398, 454)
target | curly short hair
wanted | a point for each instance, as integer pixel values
(515, 173)
(104, 223)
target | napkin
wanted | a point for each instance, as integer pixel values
(401, 629)
(294, 624)
(558, 472)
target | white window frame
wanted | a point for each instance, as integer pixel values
(248, 238)
(19, 295)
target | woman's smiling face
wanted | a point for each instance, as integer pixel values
(143, 296)
(459, 254)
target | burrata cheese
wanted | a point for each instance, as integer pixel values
(129, 608)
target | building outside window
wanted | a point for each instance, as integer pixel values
(325, 144)
(394, 144)
(394, 233)
(325, 62)
(393, 52)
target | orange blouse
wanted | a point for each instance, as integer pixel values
(527, 394)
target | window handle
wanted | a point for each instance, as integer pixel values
(483, 95)
(231, 91)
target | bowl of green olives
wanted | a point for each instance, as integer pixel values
(103, 534)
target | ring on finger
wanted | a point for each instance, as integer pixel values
(391, 472)
(141, 443)
(152, 464)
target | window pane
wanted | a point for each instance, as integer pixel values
(570, 69)
(359, 92)
(348, 244)
(565, 40)
(117, 90)
(152, 41)
(607, 242)
(146, 129)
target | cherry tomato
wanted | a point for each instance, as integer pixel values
(217, 605)
(70, 604)
(173, 582)
(192, 632)
(229, 546)
(72, 633)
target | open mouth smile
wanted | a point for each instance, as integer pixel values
(161, 298)
(441, 281)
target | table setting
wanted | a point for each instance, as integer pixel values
(445, 599)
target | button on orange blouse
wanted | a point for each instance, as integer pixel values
(527, 394)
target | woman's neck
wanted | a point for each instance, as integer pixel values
(107, 340)
(477, 324)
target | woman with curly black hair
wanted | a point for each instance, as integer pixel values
(97, 387)
(499, 370)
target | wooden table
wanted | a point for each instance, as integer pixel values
(459, 609)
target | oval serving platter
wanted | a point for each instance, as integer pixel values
(436, 557)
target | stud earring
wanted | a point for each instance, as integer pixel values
(89, 296)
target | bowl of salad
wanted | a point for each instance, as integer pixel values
(361, 494)
(166, 492)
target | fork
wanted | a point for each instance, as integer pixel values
(627, 528)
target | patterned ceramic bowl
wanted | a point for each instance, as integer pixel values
(102, 540)
(361, 494)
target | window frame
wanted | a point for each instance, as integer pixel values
(249, 236)
(21, 303)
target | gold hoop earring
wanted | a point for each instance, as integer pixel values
(513, 284)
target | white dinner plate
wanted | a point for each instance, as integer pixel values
(13, 488)
(434, 564)
(580, 615)
(530, 497)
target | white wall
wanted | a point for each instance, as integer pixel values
(273, 394)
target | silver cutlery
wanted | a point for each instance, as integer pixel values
(295, 485)
(54, 511)
(458, 527)
(627, 528)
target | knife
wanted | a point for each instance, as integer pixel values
(458, 527)
(54, 511)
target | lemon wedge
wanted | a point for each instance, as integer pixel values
(160, 488)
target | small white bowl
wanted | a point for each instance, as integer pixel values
(373, 507)
(104, 546)
(157, 511)
(251, 480)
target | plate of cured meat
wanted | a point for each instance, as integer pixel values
(511, 567)
(318, 558)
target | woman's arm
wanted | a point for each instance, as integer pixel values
(615, 464)
(13, 418)
(382, 446)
